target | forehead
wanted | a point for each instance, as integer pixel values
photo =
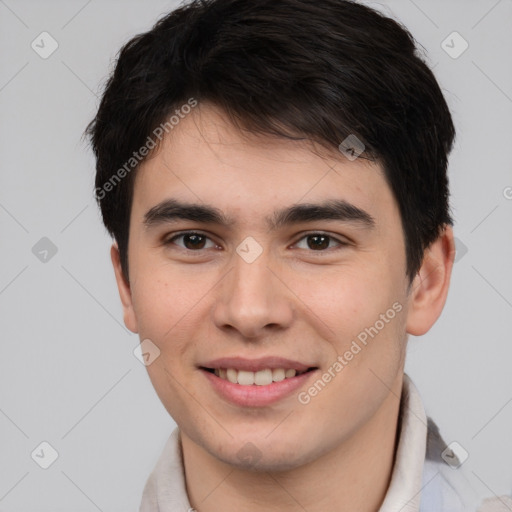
(206, 159)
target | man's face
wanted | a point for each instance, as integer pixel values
(256, 289)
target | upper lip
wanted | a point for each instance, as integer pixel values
(254, 365)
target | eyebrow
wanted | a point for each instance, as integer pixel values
(171, 210)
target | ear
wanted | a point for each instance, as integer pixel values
(125, 293)
(430, 286)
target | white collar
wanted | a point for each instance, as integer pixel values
(404, 491)
(165, 490)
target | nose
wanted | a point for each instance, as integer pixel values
(252, 299)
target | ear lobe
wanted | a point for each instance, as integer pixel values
(430, 286)
(125, 293)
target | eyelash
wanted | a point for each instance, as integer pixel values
(340, 243)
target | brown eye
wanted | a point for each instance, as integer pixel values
(316, 242)
(194, 241)
(191, 240)
(319, 242)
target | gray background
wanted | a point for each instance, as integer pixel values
(68, 375)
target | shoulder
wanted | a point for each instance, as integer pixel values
(446, 483)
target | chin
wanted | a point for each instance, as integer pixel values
(263, 455)
(265, 462)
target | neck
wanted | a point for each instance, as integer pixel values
(353, 476)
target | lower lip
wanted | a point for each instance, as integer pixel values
(256, 396)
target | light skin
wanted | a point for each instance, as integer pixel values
(198, 299)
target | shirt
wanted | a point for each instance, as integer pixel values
(421, 479)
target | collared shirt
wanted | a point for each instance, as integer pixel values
(421, 480)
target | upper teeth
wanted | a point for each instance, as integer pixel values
(260, 378)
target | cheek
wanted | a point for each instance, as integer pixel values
(172, 305)
(166, 307)
(160, 300)
(364, 311)
(349, 299)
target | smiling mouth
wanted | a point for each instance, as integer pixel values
(263, 377)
